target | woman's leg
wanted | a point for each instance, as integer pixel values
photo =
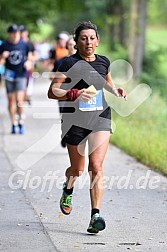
(98, 144)
(77, 164)
(74, 171)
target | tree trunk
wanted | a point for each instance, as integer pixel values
(122, 25)
(137, 36)
(111, 9)
(116, 10)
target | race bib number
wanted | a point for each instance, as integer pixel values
(9, 75)
(95, 103)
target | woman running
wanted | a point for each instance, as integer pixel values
(80, 81)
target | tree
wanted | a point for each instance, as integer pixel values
(25, 12)
(137, 35)
(111, 17)
(117, 13)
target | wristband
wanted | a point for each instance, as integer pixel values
(72, 94)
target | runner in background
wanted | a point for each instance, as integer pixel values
(15, 53)
(60, 50)
(33, 56)
(71, 50)
(43, 50)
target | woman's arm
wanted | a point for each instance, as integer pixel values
(55, 91)
(110, 87)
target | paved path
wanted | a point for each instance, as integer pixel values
(31, 175)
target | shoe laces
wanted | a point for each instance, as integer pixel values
(67, 200)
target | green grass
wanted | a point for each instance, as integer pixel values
(156, 36)
(144, 133)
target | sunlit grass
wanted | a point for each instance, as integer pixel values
(156, 36)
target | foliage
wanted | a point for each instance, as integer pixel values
(65, 14)
(155, 65)
(157, 12)
(29, 13)
(157, 84)
(119, 52)
(62, 14)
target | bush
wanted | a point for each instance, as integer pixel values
(154, 69)
(157, 84)
(118, 53)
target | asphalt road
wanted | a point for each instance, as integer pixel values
(31, 175)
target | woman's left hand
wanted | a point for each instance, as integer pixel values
(120, 92)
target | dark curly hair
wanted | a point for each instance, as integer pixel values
(84, 26)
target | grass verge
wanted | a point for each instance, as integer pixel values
(144, 133)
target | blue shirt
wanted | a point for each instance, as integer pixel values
(17, 57)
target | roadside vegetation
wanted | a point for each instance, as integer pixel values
(143, 134)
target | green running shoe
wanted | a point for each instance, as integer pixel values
(65, 203)
(96, 224)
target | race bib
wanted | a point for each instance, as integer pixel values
(9, 75)
(95, 103)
